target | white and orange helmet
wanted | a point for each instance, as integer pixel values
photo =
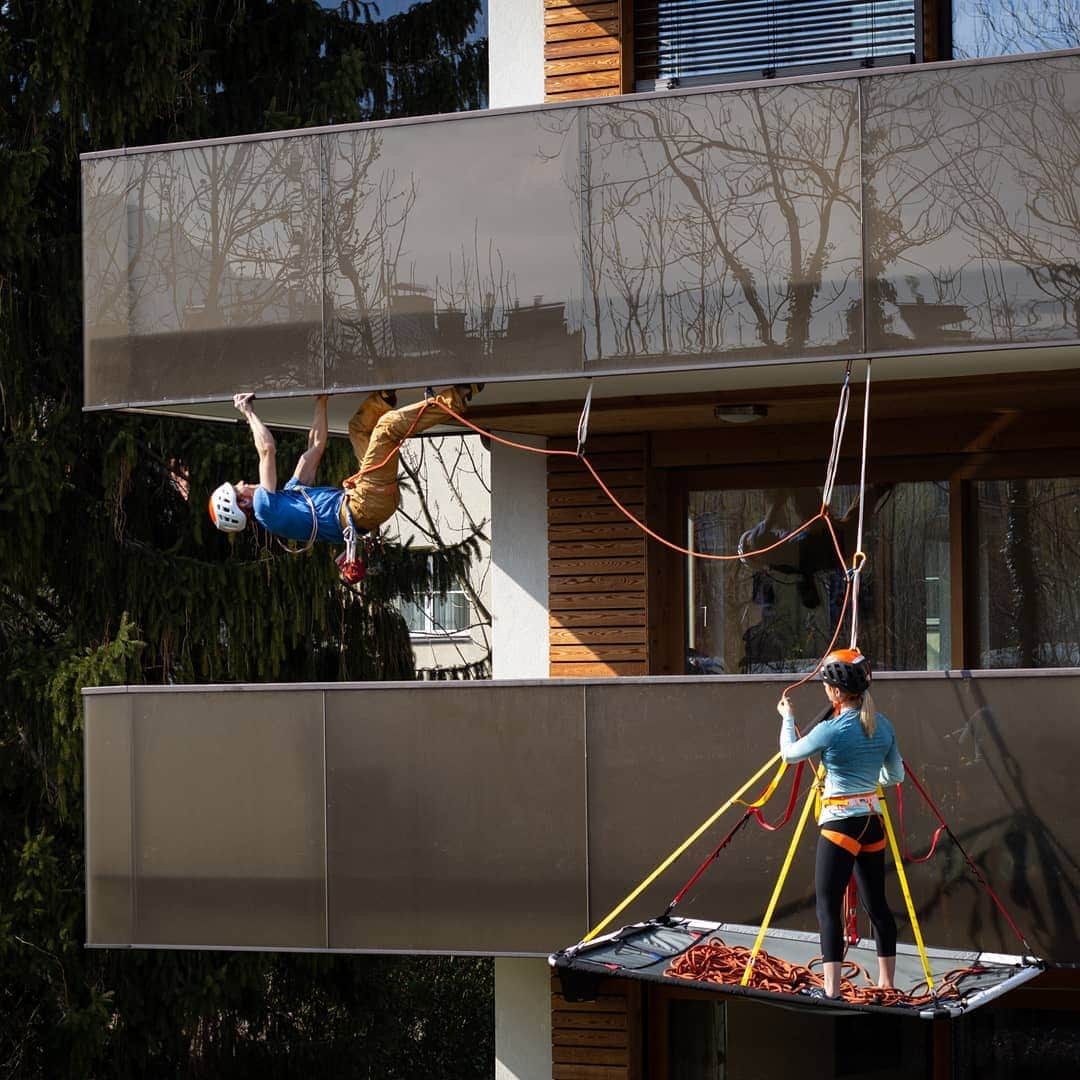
(225, 510)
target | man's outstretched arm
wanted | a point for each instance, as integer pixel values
(308, 464)
(264, 442)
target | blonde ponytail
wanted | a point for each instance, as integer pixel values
(867, 714)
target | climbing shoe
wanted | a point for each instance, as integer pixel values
(469, 390)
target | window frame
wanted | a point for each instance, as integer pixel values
(668, 618)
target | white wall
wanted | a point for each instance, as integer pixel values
(519, 584)
(515, 53)
(522, 1019)
(455, 475)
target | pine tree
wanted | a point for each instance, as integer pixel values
(110, 572)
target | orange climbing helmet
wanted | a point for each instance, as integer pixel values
(847, 670)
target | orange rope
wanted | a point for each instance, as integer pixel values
(821, 515)
(397, 449)
(713, 961)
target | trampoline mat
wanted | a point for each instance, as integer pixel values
(645, 951)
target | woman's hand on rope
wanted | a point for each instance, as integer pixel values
(783, 707)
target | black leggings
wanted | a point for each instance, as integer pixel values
(833, 871)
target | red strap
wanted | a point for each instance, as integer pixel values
(970, 861)
(903, 834)
(751, 811)
(789, 810)
(851, 913)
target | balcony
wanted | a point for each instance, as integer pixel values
(508, 817)
(920, 215)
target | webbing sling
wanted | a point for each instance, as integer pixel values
(898, 862)
(694, 836)
(810, 798)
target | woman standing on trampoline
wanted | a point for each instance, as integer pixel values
(858, 750)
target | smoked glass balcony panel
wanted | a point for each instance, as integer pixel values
(452, 250)
(203, 272)
(230, 818)
(456, 817)
(997, 755)
(108, 819)
(106, 258)
(722, 226)
(662, 758)
(973, 231)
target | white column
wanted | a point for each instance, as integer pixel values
(522, 1019)
(515, 53)
(519, 577)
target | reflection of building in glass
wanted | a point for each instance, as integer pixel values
(541, 327)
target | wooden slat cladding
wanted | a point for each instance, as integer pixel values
(596, 562)
(588, 49)
(598, 1039)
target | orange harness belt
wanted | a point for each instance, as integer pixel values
(853, 844)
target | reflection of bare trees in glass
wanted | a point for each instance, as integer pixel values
(366, 215)
(203, 240)
(722, 222)
(229, 237)
(398, 291)
(970, 202)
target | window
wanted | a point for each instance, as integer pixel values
(980, 28)
(1026, 602)
(681, 42)
(777, 612)
(432, 615)
(697, 1040)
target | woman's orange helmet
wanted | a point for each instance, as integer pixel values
(847, 670)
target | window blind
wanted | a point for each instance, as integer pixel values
(681, 41)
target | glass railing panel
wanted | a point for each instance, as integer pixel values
(230, 819)
(662, 759)
(109, 886)
(453, 250)
(203, 271)
(722, 226)
(973, 232)
(456, 817)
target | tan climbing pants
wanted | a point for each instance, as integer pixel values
(376, 432)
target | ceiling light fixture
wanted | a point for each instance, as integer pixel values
(740, 414)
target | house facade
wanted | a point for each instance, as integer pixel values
(704, 253)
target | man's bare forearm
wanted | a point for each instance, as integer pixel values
(319, 425)
(264, 441)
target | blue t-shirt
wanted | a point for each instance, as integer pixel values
(288, 513)
(854, 764)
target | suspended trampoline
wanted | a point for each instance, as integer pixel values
(712, 956)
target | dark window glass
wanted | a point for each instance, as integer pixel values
(678, 42)
(1026, 598)
(697, 1040)
(777, 612)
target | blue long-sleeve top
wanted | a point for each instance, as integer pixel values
(854, 764)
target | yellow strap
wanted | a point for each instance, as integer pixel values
(690, 840)
(767, 794)
(810, 799)
(899, 864)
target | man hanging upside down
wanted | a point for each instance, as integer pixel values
(301, 511)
